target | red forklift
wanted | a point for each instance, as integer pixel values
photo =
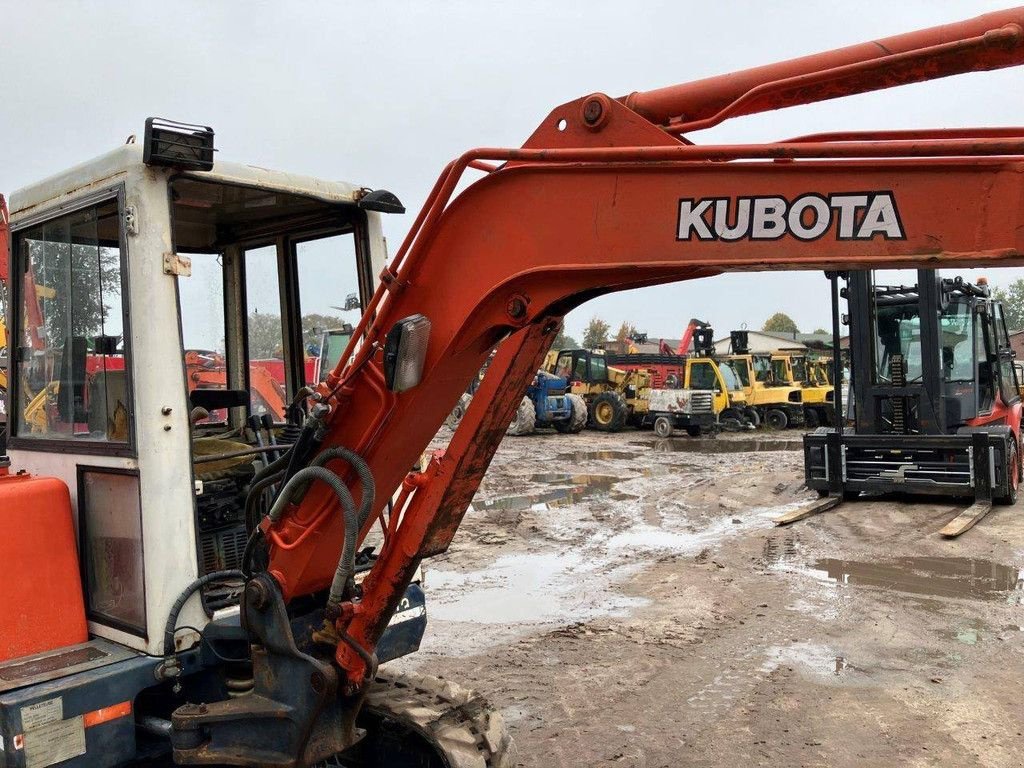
(936, 403)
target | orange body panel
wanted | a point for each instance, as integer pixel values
(41, 605)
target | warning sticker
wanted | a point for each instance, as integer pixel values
(54, 743)
(41, 713)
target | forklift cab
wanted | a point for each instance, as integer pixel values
(582, 365)
(937, 405)
(159, 302)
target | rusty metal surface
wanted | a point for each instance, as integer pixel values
(991, 41)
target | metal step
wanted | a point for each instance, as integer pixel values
(41, 667)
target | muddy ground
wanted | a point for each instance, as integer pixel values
(626, 601)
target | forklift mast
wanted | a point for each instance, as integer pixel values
(925, 357)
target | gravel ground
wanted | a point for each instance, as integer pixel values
(625, 600)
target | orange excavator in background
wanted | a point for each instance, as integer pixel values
(607, 194)
(208, 370)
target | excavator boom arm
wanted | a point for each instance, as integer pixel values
(601, 200)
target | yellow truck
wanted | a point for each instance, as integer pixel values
(617, 397)
(796, 369)
(669, 371)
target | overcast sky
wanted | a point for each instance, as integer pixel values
(384, 94)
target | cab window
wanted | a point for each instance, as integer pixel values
(274, 275)
(598, 368)
(563, 366)
(331, 307)
(72, 379)
(702, 376)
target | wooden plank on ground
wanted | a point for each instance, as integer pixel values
(813, 508)
(966, 519)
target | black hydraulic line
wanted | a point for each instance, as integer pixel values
(345, 572)
(363, 472)
(237, 454)
(191, 589)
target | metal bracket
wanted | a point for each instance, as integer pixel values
(176, 264)
(294, 715)
(131, 220)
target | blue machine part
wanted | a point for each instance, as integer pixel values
(88, 718)
(78, 720)
(548, 393)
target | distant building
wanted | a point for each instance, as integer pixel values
(760, 341)
(1017, 343)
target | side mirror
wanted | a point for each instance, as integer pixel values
(405, 351)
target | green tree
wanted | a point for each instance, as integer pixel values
(314, 325)
(626, 331)
(265, 336)
(596, 333)
(564, 341)
(265, 339)
(820, 330)
(780, 323)
(1012, 298)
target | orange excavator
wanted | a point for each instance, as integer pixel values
(607, 194)
(208, 370)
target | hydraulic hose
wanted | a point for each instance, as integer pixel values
(363, 472)
(191, 589)
(345, 572)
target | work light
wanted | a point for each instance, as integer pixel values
(404, 352)
(178, 145)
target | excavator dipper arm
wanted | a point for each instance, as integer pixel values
(603, 198)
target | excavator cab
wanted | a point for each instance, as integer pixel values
(162, 312)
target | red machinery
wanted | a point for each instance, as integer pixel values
(606, 195)
(612, 198)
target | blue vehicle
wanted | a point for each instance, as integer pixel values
(548, 403)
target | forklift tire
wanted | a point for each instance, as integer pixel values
(577, 420)
(1013, 470)
(428, 722)
(608, 412)
(811, 419)
(663, 426)
(776, 419)
(525, 420)
(753, 416)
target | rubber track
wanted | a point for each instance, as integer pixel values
(459, 722)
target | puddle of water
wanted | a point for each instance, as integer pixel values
(958, 577)
(968, 636)
(526, 589)
(574, 488)
(815, 658)
(742, 445)
(603, 455)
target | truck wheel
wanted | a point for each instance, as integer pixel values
(608, 412)
(416, 720)
(1012, 475)
(663, 426)
(731, 420)
(753, 416)
(694, 431)
(525, 419)
(776, 419)
(577, 419)
(459, 411)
